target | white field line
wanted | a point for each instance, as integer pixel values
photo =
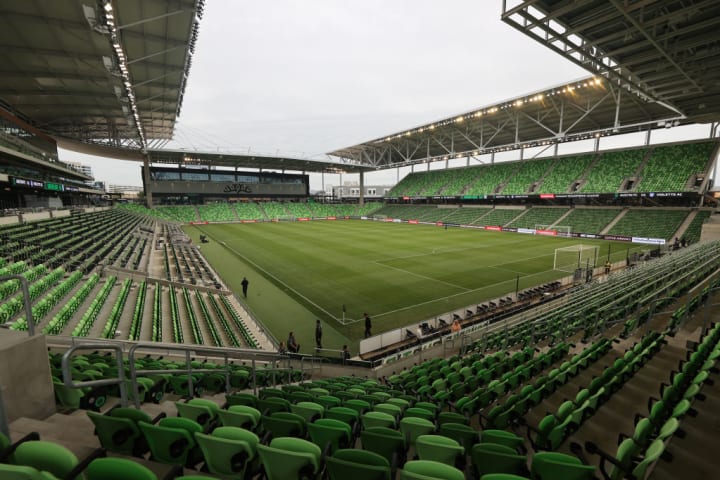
(258, 267)
(441, 250)
(380, 262)
(450, 296)
(421, 276)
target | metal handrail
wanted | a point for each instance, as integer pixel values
(120, 380)
(26, 300)
(224, 353)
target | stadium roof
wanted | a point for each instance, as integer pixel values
(107, 77)
(667, 51)
(655, 64)
(582, 109)
(102, 72)
(251, 160)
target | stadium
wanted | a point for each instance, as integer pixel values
(533, 296)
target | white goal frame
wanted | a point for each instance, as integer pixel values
(562, 230)
(575, 256)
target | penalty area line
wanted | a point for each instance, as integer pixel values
(288, 287)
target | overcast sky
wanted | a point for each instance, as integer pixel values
(303, 77)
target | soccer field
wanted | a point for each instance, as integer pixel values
(397, 273)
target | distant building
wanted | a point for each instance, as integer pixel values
(125, 191)
(82, 168)
(352, 191)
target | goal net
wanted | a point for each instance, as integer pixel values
(569, 259)
(562, 230)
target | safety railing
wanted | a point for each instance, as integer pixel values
(119, 380)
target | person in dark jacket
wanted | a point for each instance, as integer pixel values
(318, 334)
(368, 325)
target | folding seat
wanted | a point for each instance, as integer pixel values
(498, 417)
(361, 406)
(440, 449)
(404, 404)
(118, 430)
(552, 466)
(465, 435)
(295, 397)
(550, 432)
(419, 412)
(502, 437)
(242, 416)
(23, 472)
(284, 424)
(79, 398)
(330, 435)
(345, 395)
(271, 392)
(214, 382)
(502, 476)
(328, 401)
(113, 468)
(200, 410)
(497, 458)
(230, 452)
(370, 398)
(386, 442)
(352, 464)
(239, 379)
(172, 441)
(413, 427)
(273, 404)
(50, 458)
(380, 397)
(452, 417)
(430, 406)
(290, 458)
(180, 385)
(318, 391)
(378, 419)
(344, 414)
(310, 411)
(241, 399)
(424, 469)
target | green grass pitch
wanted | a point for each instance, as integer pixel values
(397, 273)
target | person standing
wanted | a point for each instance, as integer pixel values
(455, 327)
(345, 354)
(292, 345)
(244, 284)
(318, 334)
(368, 325)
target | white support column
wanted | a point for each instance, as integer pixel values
(361, 200)
(146, 181)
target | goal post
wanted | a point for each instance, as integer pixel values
(570, 258)
(562, 230)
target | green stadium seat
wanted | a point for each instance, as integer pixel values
(290, 458)
(352, 464)
(230, 452)
(440, 449)
(427, 469)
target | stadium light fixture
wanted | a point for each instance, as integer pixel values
(121, 61)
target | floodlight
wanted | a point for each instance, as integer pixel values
(91, 15)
